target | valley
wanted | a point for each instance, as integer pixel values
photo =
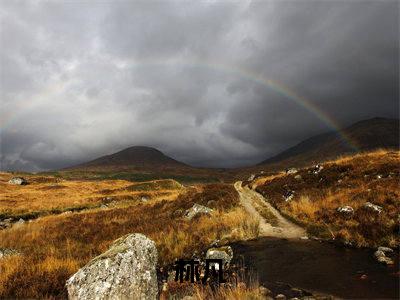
(279, 221)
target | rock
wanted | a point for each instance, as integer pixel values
(251, 177)
(346, 210)
(298, 177)
(18, 181)
(385, 250)
(378, 176)
(304, 237)
(280, 297)
(288, 195)
(373, 207)
(295, 292)
(381, 257)
(127, 270)
(4, 252)
(225, 253)
(196, 210)
(144, 199)
(291, 171)
(6, 223)
(20, 222)
(264, 292)
(317, 168)
(103, 206)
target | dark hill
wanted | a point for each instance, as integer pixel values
(133, 158)
(366, 135)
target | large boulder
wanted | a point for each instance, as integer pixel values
(18, 181)
(196, 210)
(127, 270)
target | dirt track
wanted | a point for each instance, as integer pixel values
(285, 228)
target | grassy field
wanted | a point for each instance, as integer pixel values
(54, 247)
(347, 181)
(49, 195)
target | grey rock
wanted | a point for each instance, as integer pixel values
(373, 207)
(127, 270)
(385, 250)
(6, 223)
(225, 253)
(5, 252)
(144, 199)
(345, 210)
(18, 181)
(264, 291)
(291, 171)
(196, 210)
(251, 177)
(298, 177)
(280, 297)
(381, 257)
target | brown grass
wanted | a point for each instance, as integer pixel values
(54, 247)
(350, 180)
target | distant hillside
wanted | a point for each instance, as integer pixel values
(367, 135)
(133, 158)
(141, 163)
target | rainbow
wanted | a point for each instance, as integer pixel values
(277, 87)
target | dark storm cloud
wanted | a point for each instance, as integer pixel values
(83, 79)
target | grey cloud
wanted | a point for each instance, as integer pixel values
(83, 79)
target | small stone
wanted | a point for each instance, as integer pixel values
(291, 171)
(280, 297)
(298, 177)
(18, 181)
(346, 210)
(264, 291)
(382, 258)
(196, 210)
(5, 252)
(373, 207)
(225, 253)
(251, 177)
(385, 250)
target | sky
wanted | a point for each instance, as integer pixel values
(210, 83)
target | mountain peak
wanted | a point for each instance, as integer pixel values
(136, 157)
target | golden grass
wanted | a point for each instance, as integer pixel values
(54, 247)
(44, 194)
(349, 180)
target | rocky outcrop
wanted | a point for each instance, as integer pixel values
(126, 271)
(18, 181)
(196, 210)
